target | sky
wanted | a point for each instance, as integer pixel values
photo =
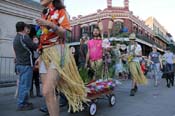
(162, 10)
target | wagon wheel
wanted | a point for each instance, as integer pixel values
(92, 109)
(112, 100)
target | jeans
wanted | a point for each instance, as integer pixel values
(155, 68)
(25, 81)
(169, 68)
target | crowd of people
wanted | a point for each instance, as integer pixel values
(46, 56)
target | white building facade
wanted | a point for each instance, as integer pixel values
(12, 11)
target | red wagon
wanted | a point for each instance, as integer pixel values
(101, 89)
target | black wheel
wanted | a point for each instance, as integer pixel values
(112, 100)
(92, 109)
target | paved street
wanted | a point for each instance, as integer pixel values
(149, 101)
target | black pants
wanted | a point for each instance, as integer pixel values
(169, 74)
(36, 79)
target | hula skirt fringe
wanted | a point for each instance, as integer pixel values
(136, 73)
(70, 82)
(97, 67)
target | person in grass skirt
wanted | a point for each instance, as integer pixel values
(134, 52)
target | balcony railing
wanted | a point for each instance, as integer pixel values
(162, 38)
(144, 38)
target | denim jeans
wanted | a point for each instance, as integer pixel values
(155, 68)
(25, 81)
(169, 67)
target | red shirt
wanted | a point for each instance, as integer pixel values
(143, 67)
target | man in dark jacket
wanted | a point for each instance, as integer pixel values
(23, 46)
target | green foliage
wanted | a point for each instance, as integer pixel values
(84, 75)
(126, 34)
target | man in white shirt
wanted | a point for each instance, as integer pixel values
(169, 69)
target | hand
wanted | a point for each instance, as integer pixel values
(37, 61)
(43, 22)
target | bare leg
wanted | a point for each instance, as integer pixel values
(134, 88)
(133, 84)
(49, 84)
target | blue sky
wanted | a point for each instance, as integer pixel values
(162, 10)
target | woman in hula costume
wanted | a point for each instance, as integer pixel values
(57, 66)
(134, 52)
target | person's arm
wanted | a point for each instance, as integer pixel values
(60, 28)
(57, 29)
(87, 58)
(160, 60)
(139, 54)
(14, 60)
(149, 58)
(29, 43)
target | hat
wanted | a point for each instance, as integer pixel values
(132, 36)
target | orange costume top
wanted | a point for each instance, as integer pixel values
(58, 17)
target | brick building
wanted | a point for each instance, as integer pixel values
(124, 23)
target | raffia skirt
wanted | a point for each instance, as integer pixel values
(71, 84)
(136, 73)
(97, 67)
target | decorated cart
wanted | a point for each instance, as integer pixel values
(100, 89)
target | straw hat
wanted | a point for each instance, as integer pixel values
(132, 36)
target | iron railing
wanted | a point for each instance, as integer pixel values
(7, 71)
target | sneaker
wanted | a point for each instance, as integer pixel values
(25, 107)
(44, 109)
(132, 92)
(135, 88)
(172, 83)
(168, 85)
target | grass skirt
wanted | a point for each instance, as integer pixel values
(97, 67)
(136, 73)
(70, 82)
